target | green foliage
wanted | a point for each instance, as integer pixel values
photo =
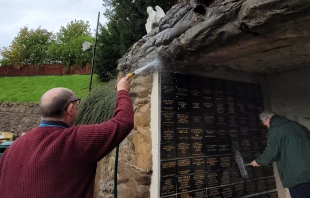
(67, 46)
(98, 106)
(31, 88)
(126, 26)
(36, 47)
(29, 47)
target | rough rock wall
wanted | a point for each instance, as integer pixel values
(19, 117)
(135, 155)
(247, 35)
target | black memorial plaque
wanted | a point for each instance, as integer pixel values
(214, 192)
(183, 105)
(211, 148)
(168, 151)
(232, 121)
(208, 106)
(167, 186)
(262, 195)
(184, 183)
(259, 172)
(182, 119)
(171, 196)
(209, 120)
(195, 93)
(233, 133)
(245, 146)
(241, 108)
(197, 148)
(268, 171)
(231, 107)
(243, 120)
(213, 178)
(184, 149)
(239, 190)
(197, 134)
(167, 134)
(184, 166)
(199, 181)
(182, 134)
(167, 91)
(207, 94)
(253, 122)
(210, 134)
(224, 147)
(222, 133)
(182, 92)
(167, 78)
(244, 132)
(261, 185)
(168, 104)
(167, 118)
(198, 165)
(225, 177)
(250, 187)
(185, 195)
(199, 193)
(213, 163)
(195, 106)
(221, 120)
(235, 174)
(271, 183)
(273, 194)
(168, 168)
(225, 162)
(220, 107)
(255, 144)
(227, 191)
(196, 121)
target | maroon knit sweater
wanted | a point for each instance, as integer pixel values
(53, 162)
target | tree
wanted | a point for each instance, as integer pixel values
(29, 47)
(66, 48)
(126, 26)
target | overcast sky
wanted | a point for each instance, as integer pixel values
(49, 14)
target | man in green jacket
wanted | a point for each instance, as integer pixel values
(288, 144)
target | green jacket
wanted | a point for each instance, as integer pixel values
(288, 144)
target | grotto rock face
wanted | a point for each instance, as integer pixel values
(255, 36)
(247, 35)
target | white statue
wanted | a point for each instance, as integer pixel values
(154, 17)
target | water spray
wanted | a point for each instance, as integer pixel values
(155, 64)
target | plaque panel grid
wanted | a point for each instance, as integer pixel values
(203, 121)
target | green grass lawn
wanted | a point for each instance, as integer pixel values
(31, 88)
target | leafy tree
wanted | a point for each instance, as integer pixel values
(29, 47)
(66, 48)
(126, 26)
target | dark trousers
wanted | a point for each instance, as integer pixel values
(300, 191)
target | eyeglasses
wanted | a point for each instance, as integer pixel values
(72, 101)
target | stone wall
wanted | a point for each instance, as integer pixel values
(19, 117)
(135, 154)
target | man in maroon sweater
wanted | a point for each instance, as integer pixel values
(56, 159)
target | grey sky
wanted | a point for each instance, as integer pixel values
(49, 14)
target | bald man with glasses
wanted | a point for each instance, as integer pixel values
(57, 159)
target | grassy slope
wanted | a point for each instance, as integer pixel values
(30, 89)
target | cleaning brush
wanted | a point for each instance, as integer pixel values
(242, 166)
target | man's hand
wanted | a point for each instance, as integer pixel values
(123, 84)
(254, 163)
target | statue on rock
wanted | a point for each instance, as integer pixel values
(154, 17)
